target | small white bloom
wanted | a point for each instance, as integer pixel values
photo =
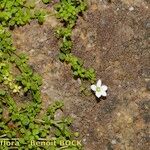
(99, 89)
(16, 89)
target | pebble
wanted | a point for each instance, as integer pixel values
(84, 140)
(31, 51)
(148, 25)
(131, 8)
(113, 142)
(118, 9)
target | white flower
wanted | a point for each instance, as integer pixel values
(16, 89)
(99, 89)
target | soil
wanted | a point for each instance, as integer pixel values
(112, 37)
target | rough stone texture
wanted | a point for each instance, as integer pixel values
(112, 37)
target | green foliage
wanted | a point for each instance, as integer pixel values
(24, 123)
(77, 67)
(40, 16)
(17, 77)
(26, 80)
(64, 32)
(2, 92)
(17, 12)
(46, 1)
(66, 46)
(68, 12)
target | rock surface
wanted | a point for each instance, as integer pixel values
(112, 37)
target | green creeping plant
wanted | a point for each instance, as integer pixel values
(77, 67)
(19, 12)
(68, 12)
(66, 45)
(25, 124)
(27, 80)
(64, 32)
(24, 121)
(40, 16)
(46, 1)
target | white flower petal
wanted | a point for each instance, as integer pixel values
(99, 82)
(98, 94)
(104, 87)
(103, 93)
(93, 87)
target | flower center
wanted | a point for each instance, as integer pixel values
(98, 89)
